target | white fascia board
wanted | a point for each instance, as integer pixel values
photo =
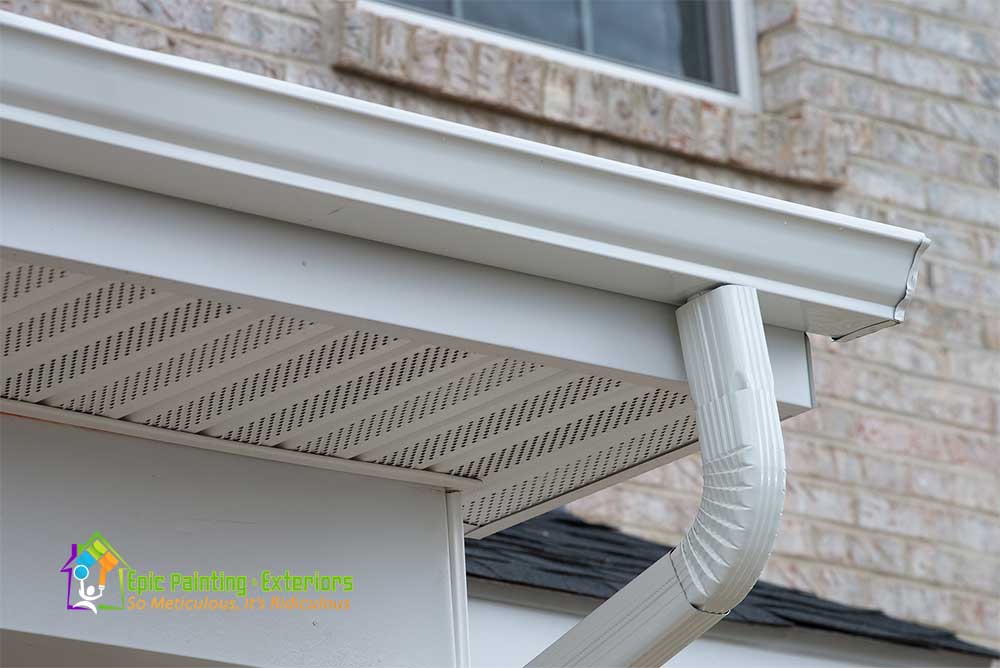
(101, 229)
(147, 120)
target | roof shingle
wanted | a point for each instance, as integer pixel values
(561, 552)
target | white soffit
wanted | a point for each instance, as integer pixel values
(100, 350)
(274, 340)
(82, 105)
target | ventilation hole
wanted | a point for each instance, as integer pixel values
(350, 437)
(167, 373)
(87, 307)
(23, 279)
(194, 414)
(426, 452)
(129, 341)
(594, 425)
(568, 477)
(277, 425)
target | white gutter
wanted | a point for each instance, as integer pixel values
(690, 590)
(306, 156)
(237, 141)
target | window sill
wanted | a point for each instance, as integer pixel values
(442, 58)
(556, 55)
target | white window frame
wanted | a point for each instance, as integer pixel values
(744, 53)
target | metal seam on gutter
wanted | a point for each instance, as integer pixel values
(911, 279)
(718, 561)
(899, 311)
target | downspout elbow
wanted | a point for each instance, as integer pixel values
(742, 450)
(718, 561)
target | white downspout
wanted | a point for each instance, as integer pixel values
(685, 593)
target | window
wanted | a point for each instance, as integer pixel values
(687, 39)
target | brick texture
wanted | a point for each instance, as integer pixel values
(894, 481)
(884, 109)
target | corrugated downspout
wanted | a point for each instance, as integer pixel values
(687, 592)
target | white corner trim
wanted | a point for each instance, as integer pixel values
(720, 558)
(338, 164)
(112, 426)
(459, 588)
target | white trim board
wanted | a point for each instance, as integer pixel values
(97, 423)
(322, 160)
(52, 218)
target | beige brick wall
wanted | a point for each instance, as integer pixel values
(889, 110)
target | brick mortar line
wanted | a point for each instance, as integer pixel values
(958, 264)
(923, 503)
(887, 457)
(916, 47)
(886, 367)
(904, 417)
(213, 39)
(916, 11)
(949, 18)
(929, 296)
(273, 13)
(873, 162)
(920, 502)
(952, 504)
(845, 486)
(950, 377)
(850, 446)
(910, 541)
(932, 502)
(892, 85)
(951, 141)
(877, 42)
(947, 376)
(941, 175)
(929, 217)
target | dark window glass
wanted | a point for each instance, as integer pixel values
(553, 21)
(644, 32)
(691, 39)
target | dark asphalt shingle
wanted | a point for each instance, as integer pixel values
(561, 552)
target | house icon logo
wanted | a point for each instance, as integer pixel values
(92, 563)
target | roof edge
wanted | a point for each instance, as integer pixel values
(315, 158)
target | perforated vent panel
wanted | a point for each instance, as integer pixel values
(535, 489)
(531, 432)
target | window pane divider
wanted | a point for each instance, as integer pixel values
(587, 26)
